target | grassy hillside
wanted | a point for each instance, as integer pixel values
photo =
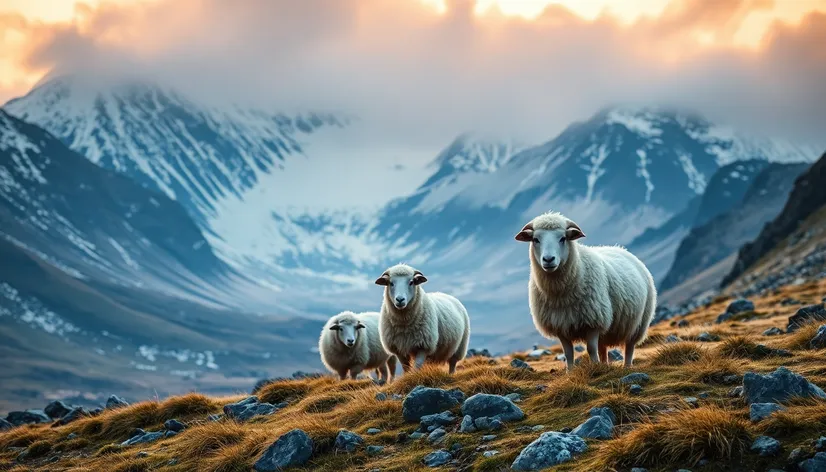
(660, 428)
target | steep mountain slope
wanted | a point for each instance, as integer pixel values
(723, 235)
(807, 197)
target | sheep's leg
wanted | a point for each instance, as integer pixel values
(603, 353)
(592, 344)
(452, 366)
(405, 360)
(342, 374)
(421, 356)
(354, 372)
(629, 353)
(382, 374)
(391, 367)
(568, 349)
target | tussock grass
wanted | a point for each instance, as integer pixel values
(803, 416)
(38, 449)
(323, 403)
(800, 339)
(677, 354)
(652, 340)
(284, 391)
(207, 438)
(567, 392)
(428, 375)
(684, 437)
(21, 437)
(588, 370)
(626, 408)
(484, 381)
(744, 347)
(713, 369)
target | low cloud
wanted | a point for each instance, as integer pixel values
(421, 77)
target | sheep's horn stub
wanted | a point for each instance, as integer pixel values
(526, 234)
(335, 327)
(360, 326)
(419, 278)
(383, 280)
(573, 232)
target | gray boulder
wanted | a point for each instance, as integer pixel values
(422, 401)
(614, 355)
(804, 315)
(440, 419)
(778, 386)
(437, 458)
(18, 418)
(761, 411)
(766, 446)
(73, 415)
(815, 464)
(819, 341)
(595, 427)
(115, 401)
(348, 441)
(467, 425)
(436, 436)
(635, 389)
(705, 337)
(292, 449)
(548, 450)
(672, 338)
(636, 378)
(373, 431)
(520, 364)
(57, 409)
(374, 450)
(820, 444)
(495, 406)
(773, 331)
(174, 425)
(249, 408)
(741, 305)
(5, 425)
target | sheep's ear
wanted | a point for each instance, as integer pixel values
(383, 280)
(419, 278)
(526, 235)
(573, 232)
(360, 325)
(335, 327)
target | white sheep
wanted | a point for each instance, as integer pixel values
(432, 327)
(602, 295)
(351, 342)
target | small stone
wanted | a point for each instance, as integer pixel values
(773, 331)
(820, 444)
(566, 429)
(614, 355)
(292, 449)
(797, 455)
(736, 392)
(72, 436)
(142, 454)
(761, 411)
(560, 357)
(538, 353)
(672, 338)
(490, 453)
(520, 364)
(815, 464)
(173, 461)
(348, 441)
(707, 338)
(488, 437)
(416, 435)
(766, 446)
(170, 434)
(692, 401)
(402, 437)
(5, 425)
(115, 401)
(636, 378)
(805, 314)
(635, 389)
(372, 431)
(436, 436)
(604, 412)
(819, 341)
(638, 469)
(439, 419)
(374, 450)
(579, 348)
(514, 397)
(381, 396)
(539, 427)
(467, 425)
(595, 427)
(548, 450)
(740, 306)
(143, 438)
(437, 458)
(683, 324)
(456, 447)
(704, 395)
(496, 424)
(174, 425)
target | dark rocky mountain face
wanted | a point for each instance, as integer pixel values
(807, 196)
(722, 235)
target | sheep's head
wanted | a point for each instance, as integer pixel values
(347, 328)
(400, 284)
(550, 236)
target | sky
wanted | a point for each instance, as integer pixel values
(419, 72)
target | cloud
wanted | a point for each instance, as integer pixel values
(420, 77)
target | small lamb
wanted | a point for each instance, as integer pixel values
(602, 295)
(427, 326)
(351, 342)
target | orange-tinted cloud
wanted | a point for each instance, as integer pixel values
(425, 76)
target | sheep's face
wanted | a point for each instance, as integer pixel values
(347, 331)
(400, 289)
(550, 247)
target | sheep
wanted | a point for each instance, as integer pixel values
(432, 327)
(351, 342)
(602, 295)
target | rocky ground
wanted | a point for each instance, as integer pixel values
(736, 384)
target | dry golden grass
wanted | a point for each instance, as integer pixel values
(646, 434)
(800, 339)
(684, 437)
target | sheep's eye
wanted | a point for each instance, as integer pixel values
(391, 284)
(411, 283)
(536, 240)
(562, 240)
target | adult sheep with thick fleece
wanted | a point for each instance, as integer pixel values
(351, 342)
(602, 295)
(432, 327)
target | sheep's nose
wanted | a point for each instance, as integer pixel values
(548, 260)
(350, 342)
(399, 299)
